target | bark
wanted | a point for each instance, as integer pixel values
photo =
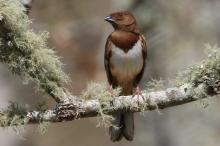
(74, 108)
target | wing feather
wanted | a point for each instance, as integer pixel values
(144, 53)
(107, 56)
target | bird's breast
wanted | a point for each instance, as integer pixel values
(126, 65)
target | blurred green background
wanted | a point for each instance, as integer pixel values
(176, 32)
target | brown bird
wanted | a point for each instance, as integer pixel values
(125, 55)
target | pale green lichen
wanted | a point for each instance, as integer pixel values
(104, 120)
(26, 52)
(14, 115)
(154, 85)
(208, 71)
(105, 94)
(100, 91)
(43, 127)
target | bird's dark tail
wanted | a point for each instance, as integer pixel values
(122, 125)
(128, 126)
(116, 129)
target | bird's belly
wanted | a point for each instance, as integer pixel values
(126, 66)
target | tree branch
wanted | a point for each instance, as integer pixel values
(27, 4)
(75, 108)
(26, 52)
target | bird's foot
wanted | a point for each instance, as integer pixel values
(111, 91)
(138, 94)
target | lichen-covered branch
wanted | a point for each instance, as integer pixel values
(74, 108)
(27, 4)
(26, 52)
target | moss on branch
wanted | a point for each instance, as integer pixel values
(207, 71)
(26, 52)
(14, 115)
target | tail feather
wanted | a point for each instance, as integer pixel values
(128, 126)
(123, 123)
(116, 130)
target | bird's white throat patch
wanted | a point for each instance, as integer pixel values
(126, 65)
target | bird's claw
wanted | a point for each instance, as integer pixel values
(111, 91)
(138, 94)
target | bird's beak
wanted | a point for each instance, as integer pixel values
(109, 19)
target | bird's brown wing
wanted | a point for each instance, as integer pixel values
(144, 46)
(144, 54)
(107, 56)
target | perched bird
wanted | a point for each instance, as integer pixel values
(125, 55)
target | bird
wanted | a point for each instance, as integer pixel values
(124, 60)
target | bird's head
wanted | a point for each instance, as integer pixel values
(122, 20)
